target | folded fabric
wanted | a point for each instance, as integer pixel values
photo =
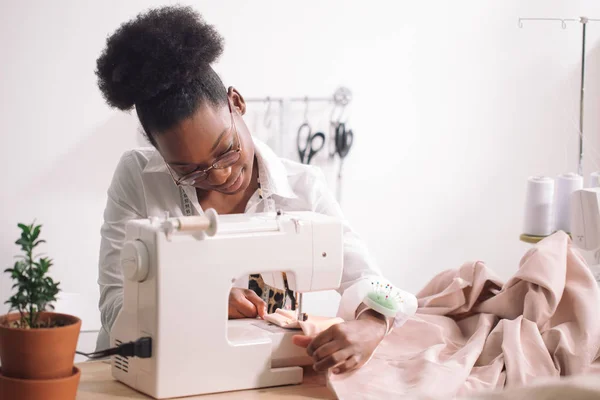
(311, 327)
(473, 333)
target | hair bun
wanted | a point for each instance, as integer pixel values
(155, 51)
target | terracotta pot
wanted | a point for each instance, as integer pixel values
(44, 353)
(33, 389)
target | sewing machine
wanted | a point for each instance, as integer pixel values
(178, 275)
(585, 226)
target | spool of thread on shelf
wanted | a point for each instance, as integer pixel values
(595, 179)
(539, 212)
(566, 184)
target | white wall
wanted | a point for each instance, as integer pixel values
(454, 107)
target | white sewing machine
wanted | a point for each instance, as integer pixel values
(585, 226)
(178, 275)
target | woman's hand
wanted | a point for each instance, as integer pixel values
(345, 346)
(245, 303)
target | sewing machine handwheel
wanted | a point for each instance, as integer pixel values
(213, 217)
(134, 260)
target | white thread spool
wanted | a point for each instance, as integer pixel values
(595, 179)
(538, 206)
(566, 184)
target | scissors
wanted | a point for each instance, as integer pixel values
(343, 143)
(343, 140)
(309, 145)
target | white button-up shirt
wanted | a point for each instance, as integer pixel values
(143, 187)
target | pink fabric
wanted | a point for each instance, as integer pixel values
(472, 332)
(311, 327)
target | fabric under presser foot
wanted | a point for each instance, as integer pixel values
(311, 327)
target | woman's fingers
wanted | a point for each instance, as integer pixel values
(234, 313)
(246, 308)
(322, 338)
(333, 360)
(301, 340)
(240, 306)
(326, 350)
(351, 363)
(258, 303)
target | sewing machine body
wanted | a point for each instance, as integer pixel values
(176, 292)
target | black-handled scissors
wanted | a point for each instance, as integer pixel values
(343, 143)
(343, 140)
(309, 143)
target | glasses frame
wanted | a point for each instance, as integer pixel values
(205, 172)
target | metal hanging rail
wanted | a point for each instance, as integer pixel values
(583, 21)
(341, 97)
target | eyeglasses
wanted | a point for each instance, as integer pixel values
(224, 161)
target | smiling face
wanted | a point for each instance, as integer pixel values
(212, 150)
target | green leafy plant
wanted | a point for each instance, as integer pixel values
(35, 290)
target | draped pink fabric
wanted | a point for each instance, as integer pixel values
(473, 332)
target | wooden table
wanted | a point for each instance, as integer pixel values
(97, 383)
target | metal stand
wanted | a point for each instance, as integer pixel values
(583, 21)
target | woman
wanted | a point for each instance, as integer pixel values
(203, 156)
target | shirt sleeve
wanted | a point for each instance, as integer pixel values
(360, 268)
(124, 203)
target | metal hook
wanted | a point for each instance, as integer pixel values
(563, 21)
(335, 106)
(336, 121)
(306, 109)
(267, 119)
(341, 98)
(341, 113)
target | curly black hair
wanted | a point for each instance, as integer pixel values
(160, 62)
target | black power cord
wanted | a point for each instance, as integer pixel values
(141, 348)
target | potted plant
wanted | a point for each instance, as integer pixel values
(37, 346)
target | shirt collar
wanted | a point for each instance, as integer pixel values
(272, 173)
(156, 164)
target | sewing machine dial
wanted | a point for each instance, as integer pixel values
(134, 260)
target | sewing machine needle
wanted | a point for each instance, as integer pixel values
(301, 316)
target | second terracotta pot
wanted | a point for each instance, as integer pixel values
(34, 389)
(41, 353)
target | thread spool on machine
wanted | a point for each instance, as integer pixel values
(547, 205)
(539, 211)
